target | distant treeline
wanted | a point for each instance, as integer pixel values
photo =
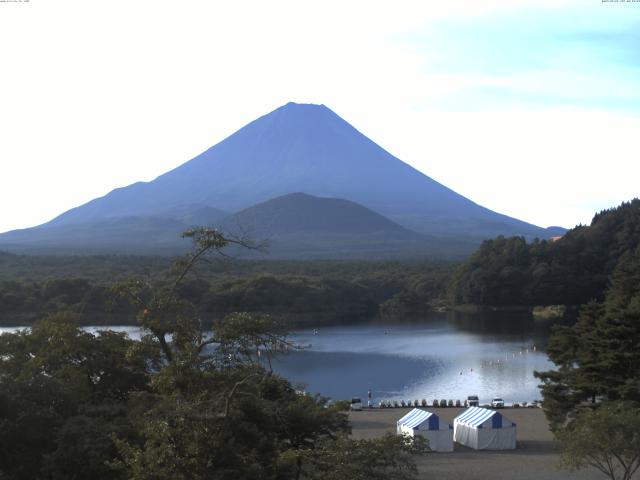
(301, 292)
(570, 271)
(502, 272)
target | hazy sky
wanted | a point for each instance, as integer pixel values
(531, 109)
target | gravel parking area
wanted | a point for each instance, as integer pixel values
(535, 458)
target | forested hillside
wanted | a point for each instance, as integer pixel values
(570, 271)
(300, 292)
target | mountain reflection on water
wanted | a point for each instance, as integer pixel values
(441, 356)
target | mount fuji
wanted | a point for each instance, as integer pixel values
(297, 148)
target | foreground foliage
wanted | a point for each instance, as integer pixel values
(598, 357)
(606, 438)
(63, 393)
(387, 458)
(592, 400)
(183, 402)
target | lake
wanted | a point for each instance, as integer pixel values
(443, 356)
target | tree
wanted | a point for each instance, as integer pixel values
(62, 394)
(385, 458)
(572, 271)
(184, 402)
(598, 357)
(599, 362)
(606, 438)
(217, 410)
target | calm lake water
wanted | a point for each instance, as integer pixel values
(439, 356)
(443, 357)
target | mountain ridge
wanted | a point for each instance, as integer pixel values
(296, 225)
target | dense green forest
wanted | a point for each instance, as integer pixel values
(301, 292)
(592, 397)
(598, 356)
(570, 271)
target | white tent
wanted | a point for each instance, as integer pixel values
(428, 425)
(483, 429)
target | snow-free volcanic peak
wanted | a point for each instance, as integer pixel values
(303, 148)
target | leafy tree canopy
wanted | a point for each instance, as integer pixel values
(184, 402)
(570, 271)
(599, 356)
(606, 438)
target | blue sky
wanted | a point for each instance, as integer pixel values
(585, 55)
(530, 108)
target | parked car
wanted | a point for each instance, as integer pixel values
(497, 402)
(473, 401)
(356, 403)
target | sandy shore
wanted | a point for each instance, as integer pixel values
(536, 457)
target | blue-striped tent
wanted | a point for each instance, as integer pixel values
(428, 425)
(484, 429)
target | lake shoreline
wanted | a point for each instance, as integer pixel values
(435, 357)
